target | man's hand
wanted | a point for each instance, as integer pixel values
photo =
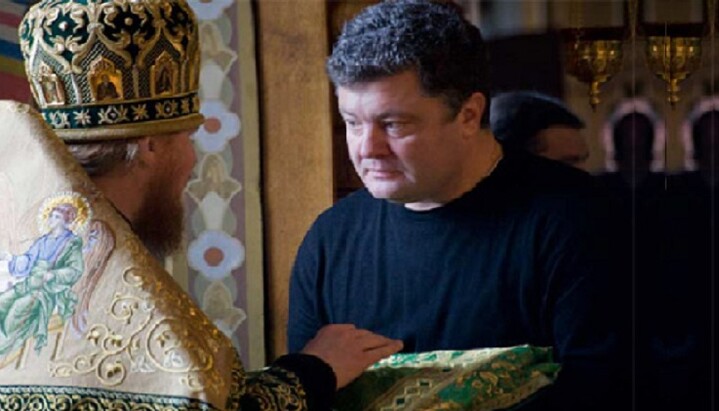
(349, 351)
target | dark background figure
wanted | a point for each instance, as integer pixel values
(705, 136)
(680, 287)
(666, 219)
(539, 124)
(633, 139)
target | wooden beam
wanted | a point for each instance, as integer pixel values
(295, 101)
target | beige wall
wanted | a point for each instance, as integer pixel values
(296, 140)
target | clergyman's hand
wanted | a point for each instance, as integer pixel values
(349, 350)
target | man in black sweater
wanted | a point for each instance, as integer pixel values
(455, 244)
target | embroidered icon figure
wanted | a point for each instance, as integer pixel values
(164, 82)
(45, 274)
(106, 90)
(105, 80)
(52, 92)
(164, 75)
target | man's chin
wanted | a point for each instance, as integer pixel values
(391, 195)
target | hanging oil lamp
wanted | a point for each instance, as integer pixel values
(593, 54)
(674, 51)
(594, 62)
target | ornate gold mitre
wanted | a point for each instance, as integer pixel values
(113, 69)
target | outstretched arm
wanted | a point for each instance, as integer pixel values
(349, 350)
(20, 265)
(338, 354)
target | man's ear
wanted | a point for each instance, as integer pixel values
(470, 114)
(148, 151)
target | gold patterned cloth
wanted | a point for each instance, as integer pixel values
(113, 69)
(478, 380)
(88, 319)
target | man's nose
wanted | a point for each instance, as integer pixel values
(374, 142)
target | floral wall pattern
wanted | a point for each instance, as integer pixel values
(222, 266)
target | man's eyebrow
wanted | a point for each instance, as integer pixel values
(384, 116)
(396, 114)
(345, 112)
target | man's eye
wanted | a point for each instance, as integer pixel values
(394, 126)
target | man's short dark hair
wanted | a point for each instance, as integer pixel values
(431, 38)
(518, 116)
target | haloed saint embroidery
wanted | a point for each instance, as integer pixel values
(50, 283)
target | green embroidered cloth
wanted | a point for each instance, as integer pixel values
(483, 379)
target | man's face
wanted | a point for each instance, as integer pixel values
(160, 221)
(183, 160)
(404, 145)
(564, 144)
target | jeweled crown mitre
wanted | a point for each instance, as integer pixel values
(113, 69)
